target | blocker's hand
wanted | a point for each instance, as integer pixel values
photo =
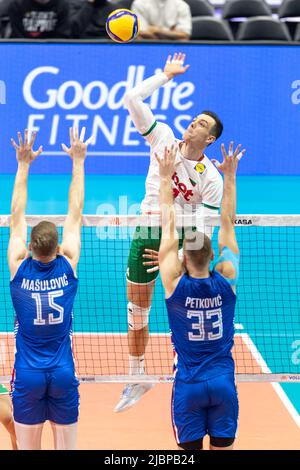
(230, 159)
(78, 146)
(175, 65)
(24, 151)
(153, 256)
(167, 162)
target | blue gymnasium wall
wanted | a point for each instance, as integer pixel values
(254, 88)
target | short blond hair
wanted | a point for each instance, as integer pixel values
(198, 249)
(44, 239)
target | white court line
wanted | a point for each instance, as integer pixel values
(277, 387)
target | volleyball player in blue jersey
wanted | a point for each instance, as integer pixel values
(200, 305)
(43, 288)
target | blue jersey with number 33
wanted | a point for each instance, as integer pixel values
(201, 318)
(43, 297)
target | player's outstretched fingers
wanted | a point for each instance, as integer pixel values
(82, 134)
(152, 270)
(38, 152)
(216, 162)
(150, 263)
(26, 136)
(150, 254)
(33, 137)
(237, 151)
(150, 251)
(230, 152)
(157, 158)
(71, 135)
(239, 156)
(90, 140)
(224, 151)
(65, 149)
(76, 132)
(20, 138)
(13, 143)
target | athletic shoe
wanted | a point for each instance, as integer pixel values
(131, 394)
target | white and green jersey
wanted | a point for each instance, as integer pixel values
(195, 183)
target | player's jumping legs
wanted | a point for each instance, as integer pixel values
(138, 309)
(140, 288)
(140, 298)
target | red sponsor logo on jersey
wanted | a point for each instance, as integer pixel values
(181, 188)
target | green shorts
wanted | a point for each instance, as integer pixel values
(144, 237)
(3, 390)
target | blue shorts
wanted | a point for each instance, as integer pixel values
(38, 396)
(208, 407)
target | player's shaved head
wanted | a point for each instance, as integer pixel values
(198, 250)
(44, 239)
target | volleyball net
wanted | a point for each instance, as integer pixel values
(267, 317)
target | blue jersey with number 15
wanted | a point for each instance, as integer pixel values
(43, 297)
(201, 318)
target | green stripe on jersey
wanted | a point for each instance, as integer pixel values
(150, 130)
(210, 207)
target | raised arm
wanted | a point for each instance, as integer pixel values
(17, 250)
(140, 112)
(70, 247)
(170, 266)
(226, 237)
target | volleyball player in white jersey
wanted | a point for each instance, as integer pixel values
(196, 183)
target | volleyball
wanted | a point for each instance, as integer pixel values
(122, 25)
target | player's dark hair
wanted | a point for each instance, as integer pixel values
(198, 249)
(217, 128)
(44, 239)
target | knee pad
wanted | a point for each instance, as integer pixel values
(221, 441)
(192, 445)
(138, 317)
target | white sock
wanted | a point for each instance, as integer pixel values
(29, 436)
(136, 365)
(65, 436)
